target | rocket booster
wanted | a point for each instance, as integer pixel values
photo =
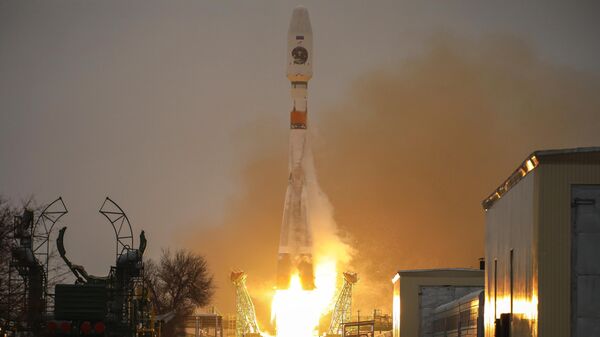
(295, 244)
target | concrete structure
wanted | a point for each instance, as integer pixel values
(418, 292)
(543, 247)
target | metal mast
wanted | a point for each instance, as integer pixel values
(245, 321)
(343, 305)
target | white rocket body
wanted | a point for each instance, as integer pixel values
(295, 245)
(300, 47)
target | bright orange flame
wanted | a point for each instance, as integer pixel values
(296, 312)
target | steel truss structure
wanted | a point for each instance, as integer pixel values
(343, 305)
(28, 295)
(245, 322)
(120, 223)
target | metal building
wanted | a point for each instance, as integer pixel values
(418, 292)
(543, 247)
(462, 317)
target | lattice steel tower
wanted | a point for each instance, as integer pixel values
(245, 320)
(343, 305)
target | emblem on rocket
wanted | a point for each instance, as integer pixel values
(295, 244)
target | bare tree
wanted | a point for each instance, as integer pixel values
(10, 306)
(178, 283)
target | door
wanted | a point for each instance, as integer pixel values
(585, 259)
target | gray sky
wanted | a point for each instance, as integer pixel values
(145, 101)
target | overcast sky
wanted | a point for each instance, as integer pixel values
(144, 101)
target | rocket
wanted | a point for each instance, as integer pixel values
(295, 244)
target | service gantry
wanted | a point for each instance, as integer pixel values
(245, 320)
(343, 305)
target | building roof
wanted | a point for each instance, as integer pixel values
(441, 272)
(424, 271)
(529, 164)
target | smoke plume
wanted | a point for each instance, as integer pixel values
(328, 242)
(406, 160)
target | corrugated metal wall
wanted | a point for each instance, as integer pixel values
(510, 259)
(433, 297)
(556, 178)
(533, 219)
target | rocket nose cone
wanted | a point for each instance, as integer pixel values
(300, 23)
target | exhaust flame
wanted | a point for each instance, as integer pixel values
(296, 312)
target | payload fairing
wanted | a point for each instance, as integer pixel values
(295, 244)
